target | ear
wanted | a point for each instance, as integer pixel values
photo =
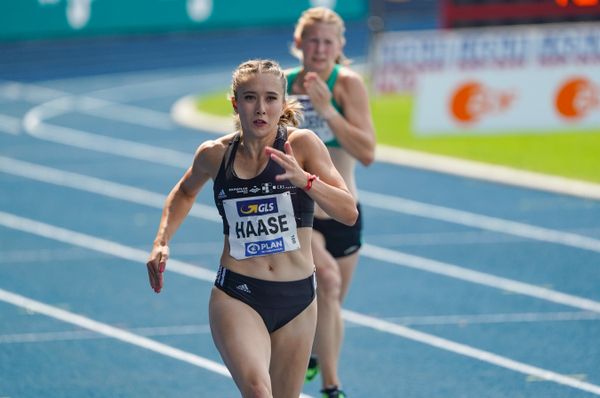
(234, 104)
(297, 43)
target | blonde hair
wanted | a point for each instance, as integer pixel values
(292, 110)
(320, 15)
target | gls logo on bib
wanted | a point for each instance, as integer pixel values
(257, 207)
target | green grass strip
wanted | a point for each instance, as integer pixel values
(567, 154)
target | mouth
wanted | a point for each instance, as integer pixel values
(259, 123)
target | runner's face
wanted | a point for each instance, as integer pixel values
(259, 104)
(320, 46)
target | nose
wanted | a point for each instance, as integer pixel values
(260, 108)
(320, 46)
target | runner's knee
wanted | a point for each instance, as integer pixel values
(329, 282)
(257, 388)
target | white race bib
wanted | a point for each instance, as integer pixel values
(261, 225)
(313, 121)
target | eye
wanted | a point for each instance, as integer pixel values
(272, 98)
(248, 97)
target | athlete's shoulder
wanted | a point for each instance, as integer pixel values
(298, 134)
(304, 139)
(349, 86)
(210, 152)
(346, 75)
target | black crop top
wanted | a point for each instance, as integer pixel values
(228, 185)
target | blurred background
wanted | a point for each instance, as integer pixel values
(508, 82)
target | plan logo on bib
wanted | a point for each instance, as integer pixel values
(264, 247)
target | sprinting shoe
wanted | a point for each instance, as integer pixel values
(313, 369)
(332, 392)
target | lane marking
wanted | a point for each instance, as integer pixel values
(117, 250)
(379, 201)
(85, 104)
(392, 155)
(395, 257)
(433, 320)
(480, 278)
(17, 91)
(34, 126)
(468, 351)
(122, 113)
(115, 333)
(97, 186)
(153, 86)
(70, 335)
(406, 206)
(97, 244)
(481, 319)
(111, 331)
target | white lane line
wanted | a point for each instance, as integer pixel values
(480, 278)
(97, 186)
(115, 333)
(468, 351)
(97, 244)
(115, 249)
(406, 206)
(16, 91)
(123, 113)
(481, 319)
(445, 238)
(398, 156)
(155, 200)
(94, 142)
(111, 331)
(57, 102)
(10, 125)
(433, 320)
(162, 85)
(70, 335)
(371, 199)
(34, 125)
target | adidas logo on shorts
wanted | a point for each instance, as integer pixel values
(244, 288)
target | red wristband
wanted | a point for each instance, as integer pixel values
(311, 178)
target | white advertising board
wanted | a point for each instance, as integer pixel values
(494, 80)
(527, 99)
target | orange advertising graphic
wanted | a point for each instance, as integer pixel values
(472, 100)
(580, 3)
(576, 97)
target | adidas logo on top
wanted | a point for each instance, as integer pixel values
(222, 194)
(244, 288)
